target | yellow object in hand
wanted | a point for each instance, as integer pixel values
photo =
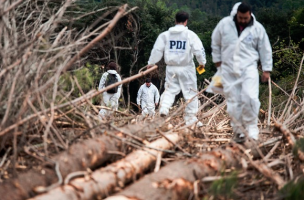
(200, 69)
(217, 81)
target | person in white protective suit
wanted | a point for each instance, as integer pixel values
(148, 98)
(238, 43)
(109, 100)
(179, 45)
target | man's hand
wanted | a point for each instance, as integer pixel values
(265, 76)
(201, 67)
(149, 66)
(218, 64)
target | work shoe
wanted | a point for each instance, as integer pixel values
(239, 138)
(252, 144)
(190, 119)
(199, 124)
(163, 112)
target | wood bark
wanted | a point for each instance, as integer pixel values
(103, 182)
(177, 179)
(89, 154)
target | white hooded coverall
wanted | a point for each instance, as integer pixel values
(178, 45)
(147, 97)
(239, 56)
(109, 100)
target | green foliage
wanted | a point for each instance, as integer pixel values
(297, 25)
(298, 146)
(275, 22)
(287, 59)
(95, 73)
(287, 5)
(88, 78)
(153, 18)
(293, 190)
(224, 187)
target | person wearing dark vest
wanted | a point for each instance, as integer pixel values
(109, 99)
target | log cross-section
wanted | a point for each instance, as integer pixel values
(91, 154)
(104, 181)
(177, 179)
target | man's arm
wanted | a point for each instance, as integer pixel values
(265, 52)
(102, 81)
(216, 39)
(199, 50)
(158, 50)
(139, 93)
(156, 96)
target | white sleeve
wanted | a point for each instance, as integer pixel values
(156, 95)
(265, 51)
(139, 93)
(158, 49)
(216, 44)
(198, 50)
(102, 81)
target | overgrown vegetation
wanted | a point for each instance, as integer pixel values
(293, 190)
(224, 187)
(46, 102)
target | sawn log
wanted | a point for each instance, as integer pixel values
(177, 180)
(104, 181)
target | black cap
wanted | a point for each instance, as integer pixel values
(148, 80)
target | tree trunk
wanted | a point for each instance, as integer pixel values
(103, 182)
(89, 154)
(177, 179)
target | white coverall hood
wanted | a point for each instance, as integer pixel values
(234, 9)
(178, 29)
(239, 55)
(112, 71)
(178, 45)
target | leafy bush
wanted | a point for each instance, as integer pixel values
(293, 190)
(88, 78)
(224, 187)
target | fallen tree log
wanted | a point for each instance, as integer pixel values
(79, 157)
(88, 154)
(177, 179)
(103, 182)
